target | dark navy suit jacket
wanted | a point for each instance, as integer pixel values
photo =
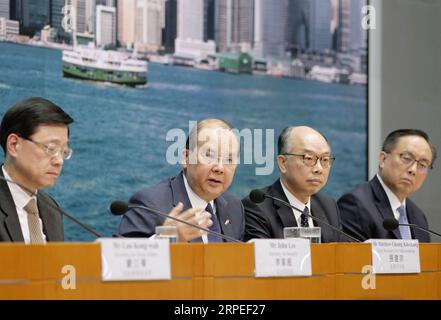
(364, 209)
(267, 219)
(166, 195)
(50, 214)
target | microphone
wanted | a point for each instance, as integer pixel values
(118, 208)
(64, 213)
(258, 196)
(391, 224)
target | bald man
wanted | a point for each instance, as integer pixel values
(304, 160)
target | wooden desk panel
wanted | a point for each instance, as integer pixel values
(214, 271)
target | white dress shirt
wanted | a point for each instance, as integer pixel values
(299, 205)
(198, 202)
(21, 199)
(393, 199)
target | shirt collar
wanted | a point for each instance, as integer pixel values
(393, 199)
(294, 201)
(195, 200)
(20, 197)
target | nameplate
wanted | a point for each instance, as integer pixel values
(395, 256)
(135, 259)
(282, 257)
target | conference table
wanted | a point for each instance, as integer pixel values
(211, 271)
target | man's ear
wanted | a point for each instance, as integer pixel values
(281, 162)
(381, 159)
(13, 145)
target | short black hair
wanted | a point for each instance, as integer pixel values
(25, 116)
(391, 140)
(283, 141)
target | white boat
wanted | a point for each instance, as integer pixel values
(104, 65)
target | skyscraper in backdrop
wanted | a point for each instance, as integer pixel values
(105, 26)
(170, 26)
(5, 9)
(234, 25)
(270, 26)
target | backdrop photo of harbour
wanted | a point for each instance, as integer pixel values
(119, 133)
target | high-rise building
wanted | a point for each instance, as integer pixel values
(209, 19)
(298, 25)
(170, 29)
(57, 14)
(149, 22)
(15, 10)
(234, 24)
(191, 19)
(140, 24)
(81, 16)
(4, 9)
(35, 15)
(309, 26)
(90, 16)
(351, 36)
(126, 22)
(105, 26)
(320, 25)
(270, 19)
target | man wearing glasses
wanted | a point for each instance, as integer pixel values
(405, 159)
(198, 194)
(34, 136)
(304, 160)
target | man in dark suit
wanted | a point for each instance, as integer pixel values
(209, 163)
(34, 135)
(304, 162)
(405, 159)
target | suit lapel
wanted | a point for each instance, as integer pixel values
(48, 215)
(382, 203)
(8, 208)
(285, 213)
(224, 216)
(317, 211)
(179, 193)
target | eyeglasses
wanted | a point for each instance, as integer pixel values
(53, 149)
(407, 159)
(311, 160)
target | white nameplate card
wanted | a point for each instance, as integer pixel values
(282, 257)
(395, 256)
(135, 259)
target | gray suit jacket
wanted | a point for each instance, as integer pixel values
(50, 214)
(166, 195)
(267, 219)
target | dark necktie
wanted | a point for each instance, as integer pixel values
(214, 227)
(304, 218)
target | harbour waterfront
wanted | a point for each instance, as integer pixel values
(119, 134)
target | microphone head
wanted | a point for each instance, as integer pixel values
(119, 207)
(257, 196)
(390, 224)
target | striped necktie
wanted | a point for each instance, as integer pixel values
(35, 234)
(304, 218)
(404, 230)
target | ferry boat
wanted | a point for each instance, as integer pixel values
(95, 64)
